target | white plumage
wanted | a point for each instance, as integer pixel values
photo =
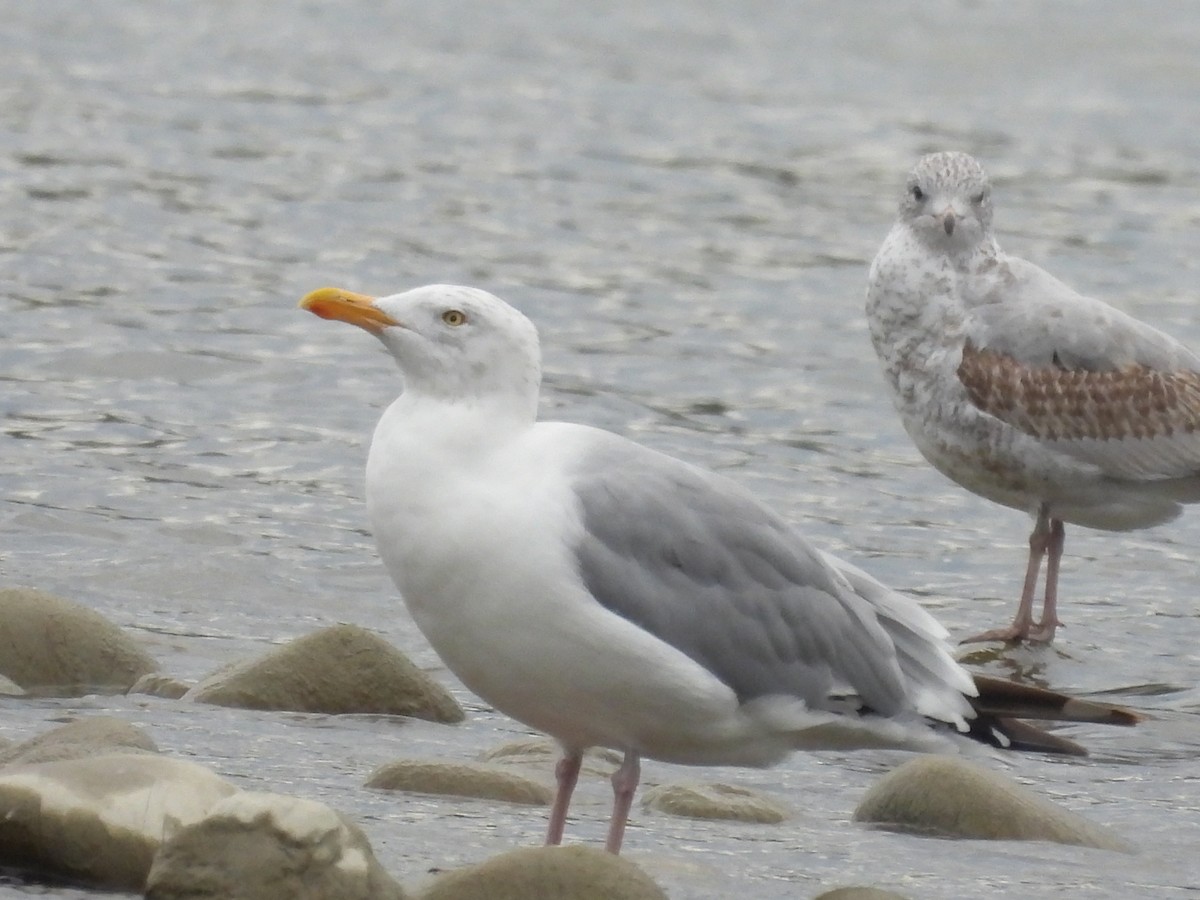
(610, 595)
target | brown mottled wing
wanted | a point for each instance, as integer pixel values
(1054, 403)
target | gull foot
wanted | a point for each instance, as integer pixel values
(1041, 633)
(1013, 634)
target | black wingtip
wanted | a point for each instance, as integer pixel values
(999, 697)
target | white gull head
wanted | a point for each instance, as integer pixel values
(454, 344)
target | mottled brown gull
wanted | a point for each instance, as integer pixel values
(612, 596)
(1021, 389)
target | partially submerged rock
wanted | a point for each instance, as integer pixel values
(92, 736)
(548, 873)
(99, 820)
(260, 846)
(714, 801)
(949, 797)
(157, 685)
(341, 669)
(543, 753)
(52, 646)
(459, 779)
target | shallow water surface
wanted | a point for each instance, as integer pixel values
(685, 198)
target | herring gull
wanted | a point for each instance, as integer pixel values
(610, 595)
(1021, 389)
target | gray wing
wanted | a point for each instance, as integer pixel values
(695, 560)
(1081, 376)
(1022, 311)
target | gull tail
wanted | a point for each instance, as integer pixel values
(1003, 706)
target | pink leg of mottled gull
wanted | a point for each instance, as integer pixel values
(624, 782)
(1042, 538)
(566, 772)
(1044, 630)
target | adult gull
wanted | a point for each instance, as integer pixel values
(1022, 390)
(610, 595)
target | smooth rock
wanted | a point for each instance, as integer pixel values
(543, 753)
(949, 797)
(52, 646)
(714, 801)
(157, 685)
(92, 736)
(260, 846)
(99, 821)
(341, 669)
(548, 873)
(461, 780)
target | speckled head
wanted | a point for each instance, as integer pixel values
(948, 200)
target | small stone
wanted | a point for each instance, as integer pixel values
(949, 797)
(261, 846)
(548, 873)
(460, 780)
(98, 821)
(544, 753)
(51, 646)
(337, 670)
(157, 685)
(80, 739)
(714, 801)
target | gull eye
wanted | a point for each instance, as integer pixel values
(917, 193)
(454, 317)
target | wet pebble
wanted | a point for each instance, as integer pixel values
(341, 669)
(99, 820)
(53, 646)
(459, 779)
(262, 846)
(543, 753)
(714, 801)
(158, 685)
(82, 738)
(949, 797)
(548, 873)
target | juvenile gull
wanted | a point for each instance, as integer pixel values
(1022, 390)
(610, 595)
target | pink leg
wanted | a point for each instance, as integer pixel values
(566, 772)
(1040, 540)
(1044, 632)
(624, 782)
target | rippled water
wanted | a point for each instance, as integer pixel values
(684, 197)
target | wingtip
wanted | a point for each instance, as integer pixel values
(1001, 697)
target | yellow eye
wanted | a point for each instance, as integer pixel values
(454, 317)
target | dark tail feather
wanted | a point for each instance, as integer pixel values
(1002, 704)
